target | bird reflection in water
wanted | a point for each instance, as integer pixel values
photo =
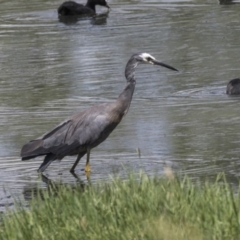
(99, 19)
(53, 187)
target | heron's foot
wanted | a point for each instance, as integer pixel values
(88, 175)
(87, 168)
(45, 179)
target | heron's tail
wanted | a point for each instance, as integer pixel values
(33, 149)
(47, 161)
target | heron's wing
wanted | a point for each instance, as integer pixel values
(56, 141)
(94, 126)
(61, 128)
(36, 147)
(86, 129)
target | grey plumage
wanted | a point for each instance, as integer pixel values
(84, 131)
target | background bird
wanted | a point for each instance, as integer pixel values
(233, 87)
(86, 130)
(71, 8)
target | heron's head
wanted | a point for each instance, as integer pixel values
(147, 58)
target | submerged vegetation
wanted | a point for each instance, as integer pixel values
(137, 208)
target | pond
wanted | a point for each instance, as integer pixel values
(51, 69)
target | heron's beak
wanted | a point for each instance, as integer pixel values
(155, 62)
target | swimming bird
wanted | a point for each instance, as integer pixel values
(71, 8)
(226, 2)
(83, 131)
(233, 87)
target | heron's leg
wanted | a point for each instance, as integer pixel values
(80, 155)
(45, 179)
(79, 180)
(87, 167)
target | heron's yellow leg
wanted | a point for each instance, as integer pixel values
(80, 155)
(88, 174)
(87, 167)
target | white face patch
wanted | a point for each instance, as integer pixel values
(144, 56)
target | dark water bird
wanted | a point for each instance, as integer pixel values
(71, 8)
(227, 2)
(86, 130)
(233, 87)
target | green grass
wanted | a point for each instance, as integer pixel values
(137, 208)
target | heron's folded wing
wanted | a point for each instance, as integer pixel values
(92, 129)
(86, 129)
(38, 146)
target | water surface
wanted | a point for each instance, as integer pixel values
(51, 69)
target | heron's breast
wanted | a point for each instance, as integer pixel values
(116, 113)
(115, 117)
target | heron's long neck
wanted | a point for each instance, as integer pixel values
(125, 98)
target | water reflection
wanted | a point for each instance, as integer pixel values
(100, 19)
(52, 188)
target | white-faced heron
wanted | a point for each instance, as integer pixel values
(86, 130)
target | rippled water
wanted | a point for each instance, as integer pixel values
(51, 69)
